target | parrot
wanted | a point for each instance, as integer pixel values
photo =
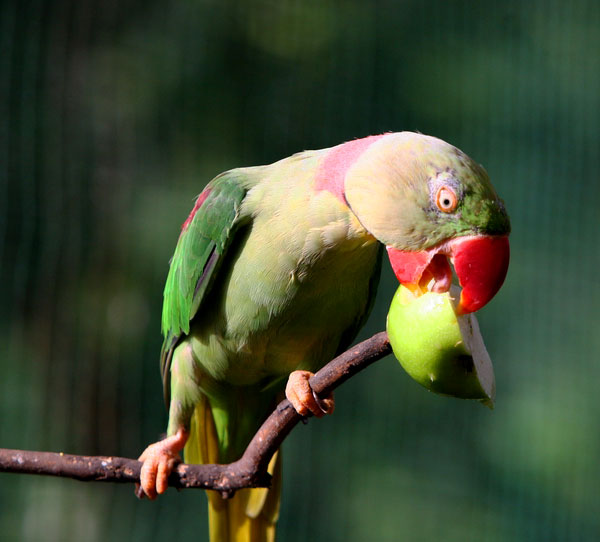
(274, 273)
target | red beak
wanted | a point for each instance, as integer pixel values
(480, 262)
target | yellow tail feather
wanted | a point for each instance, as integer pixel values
(251, 514)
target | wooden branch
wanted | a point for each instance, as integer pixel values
(249, 471)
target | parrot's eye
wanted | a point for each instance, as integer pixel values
(446, 199)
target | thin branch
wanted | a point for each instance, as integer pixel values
(249, 471)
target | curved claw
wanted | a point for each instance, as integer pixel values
(159, 461)
(303, 398)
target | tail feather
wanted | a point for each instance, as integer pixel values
(251, 514)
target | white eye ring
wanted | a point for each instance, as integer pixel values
(446, 199)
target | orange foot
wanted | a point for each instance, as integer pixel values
(304, 399)
(159, 460)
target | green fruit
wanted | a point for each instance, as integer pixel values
(438, 348)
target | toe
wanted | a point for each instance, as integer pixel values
(299, 404)
(148, 478)
(165, 468)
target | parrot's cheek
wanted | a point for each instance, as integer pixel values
(480, 262)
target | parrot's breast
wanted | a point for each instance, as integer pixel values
(299, 286)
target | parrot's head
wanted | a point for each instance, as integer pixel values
(431, 205)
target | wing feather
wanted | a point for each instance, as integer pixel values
(204, 239)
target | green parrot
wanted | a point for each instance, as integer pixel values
(275, 272)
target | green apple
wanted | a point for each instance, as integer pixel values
(439, 349)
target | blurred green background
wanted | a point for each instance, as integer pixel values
(113, 116)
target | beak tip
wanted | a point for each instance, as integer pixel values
(467, 306)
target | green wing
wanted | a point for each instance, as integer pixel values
(204, 239)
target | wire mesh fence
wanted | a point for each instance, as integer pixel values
(113, 116)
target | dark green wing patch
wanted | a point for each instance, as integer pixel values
(204, 239)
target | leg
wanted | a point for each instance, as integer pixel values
(161, 457)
